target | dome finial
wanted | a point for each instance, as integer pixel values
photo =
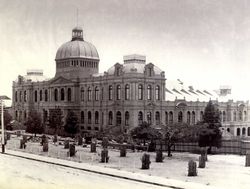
(77, 32)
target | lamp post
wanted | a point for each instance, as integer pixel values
(2, 98)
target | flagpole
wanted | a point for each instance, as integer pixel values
(2, 122)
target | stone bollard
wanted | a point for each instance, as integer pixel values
(192, 171)
(55, 138)
(104, 156)
(123, 151)
(247, 159)
(66, 144)
(93, 147)
(159, 156)
(72, 150)
(202, 161)
(204, 153)
(145, 161)
(45, 147)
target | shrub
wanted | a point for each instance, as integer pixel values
(66, 144)
(192, 171)
(72, 150)
(45, 147)
(145, 161)
(202, 161)
(55, 138)
(123, 151)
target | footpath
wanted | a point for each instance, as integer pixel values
(121, 174)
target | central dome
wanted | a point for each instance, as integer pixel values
(77, 48)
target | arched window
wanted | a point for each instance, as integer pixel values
(193, 117)
(149, 118)
(126, 118)
(41, 95)
(140, 118)
(96, 93)
(180, 117)
(140, 92)
(35, 96)
(82, 116)
(16, 96)
(110, 118)
(243, 131)
(46, 95)
(248, 131)
(118, 92)
(166, 118)
(188, 117)
(201, 116)
(16, 115)
(89, 117)
(96, 117)
(245, 115)
(149, 89)
(157, 118)
(55, 94)
(20, 96)
(89, 94)
(25, 115)
(25, 96)
(224, 116)
(157, 92)
(110, 92)
(127, 92)
(62, 94)
(171, 117)
(118, 118)
(82, 94)
(234, 115)
(240, 115)
(69, 94)
(238, 131)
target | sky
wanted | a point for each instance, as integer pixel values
(204, 43)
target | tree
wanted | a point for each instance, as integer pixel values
(177, 132)
(34, 123)
(7, 120)
(210, 134)
(71, 126)
(55, 119)
(145, 132)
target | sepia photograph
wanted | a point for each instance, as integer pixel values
(139, 94)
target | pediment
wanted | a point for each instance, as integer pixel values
(60, 80)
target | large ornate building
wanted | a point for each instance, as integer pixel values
(122, 97)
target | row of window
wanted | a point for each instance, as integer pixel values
(242, 115)
(77, 63)
(242, 132)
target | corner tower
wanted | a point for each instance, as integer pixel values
(77, 58)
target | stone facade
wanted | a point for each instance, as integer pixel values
(122, 97)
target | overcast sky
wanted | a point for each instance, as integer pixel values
(205, 43)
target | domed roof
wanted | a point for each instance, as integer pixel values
(77, 47)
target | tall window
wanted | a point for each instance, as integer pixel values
(62, 94)
(82, 116)
(126, 118)
(89, 117)
(35, 96)
(140, 92)
(69, 94)
(25, 96)
(140, 118)
(96, 94)
(149, 118)
(55, 94)
(46, 95)
(234, 115)
(238, 131)
(20, 96)
(82, 94)
(41, 95)
(245, 115)
(224, 116)
(157, 118)
(149, 89)
(127, 92)
(248, 131)
(110, 118)
(180, 117)
(16, 96)
(171, 117)
(240, 115)
(193, 117)
(201, 116)
(188, 117)
(118, 118)
(243, 131)
(118, 92)
(110, 92)
(166, 118)
(89, 94)
(96, 117)
(157, 92)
